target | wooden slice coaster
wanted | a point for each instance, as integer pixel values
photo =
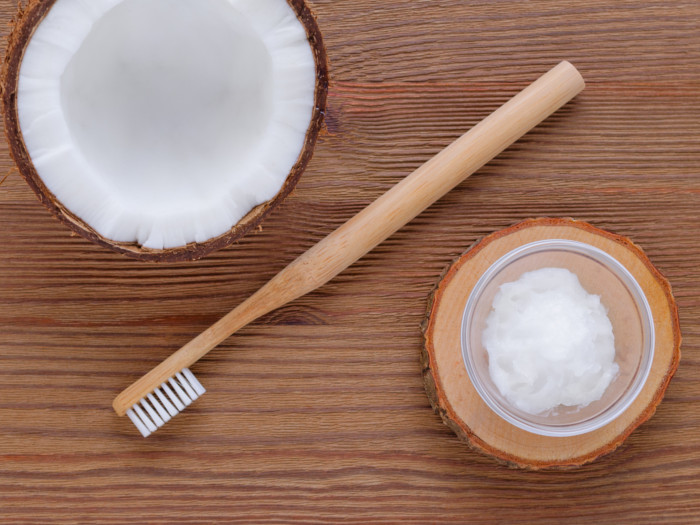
(455, 399)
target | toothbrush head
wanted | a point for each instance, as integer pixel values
(165, 402)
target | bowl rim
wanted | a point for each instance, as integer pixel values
(639, 380)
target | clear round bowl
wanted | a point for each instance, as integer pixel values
(628, 311)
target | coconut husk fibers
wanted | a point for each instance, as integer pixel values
(28, 18)
(456, 401)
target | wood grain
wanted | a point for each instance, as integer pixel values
(316, 413)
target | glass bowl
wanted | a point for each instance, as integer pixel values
(628, 311)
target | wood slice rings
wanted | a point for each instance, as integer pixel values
(452, 394)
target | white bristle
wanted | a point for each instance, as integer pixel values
(139, 424)
(172, 411)
(161, 411)
(186, 386)
(153, 411)
(175, 400)
(193, 381)
(180, 393)
(155, 418)
(150, 425)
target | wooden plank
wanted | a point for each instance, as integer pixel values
(316, 413)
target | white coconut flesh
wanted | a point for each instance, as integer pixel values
(164, 122)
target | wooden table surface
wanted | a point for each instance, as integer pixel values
(317, 413)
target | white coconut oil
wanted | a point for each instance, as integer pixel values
(549, 342)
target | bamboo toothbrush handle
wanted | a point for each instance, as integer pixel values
(380, 219)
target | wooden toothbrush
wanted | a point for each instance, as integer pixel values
(167, 389)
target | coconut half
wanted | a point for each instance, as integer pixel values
(164, 129)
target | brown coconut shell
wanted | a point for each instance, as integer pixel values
(454, 398)
(28, 18)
